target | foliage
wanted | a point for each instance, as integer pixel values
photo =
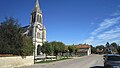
(12, 40)
(47, 48)
(93, 49)
(10, 37)
(59, 47)
(114, 45)
(71, 49)
(27, 48)
(100, 47)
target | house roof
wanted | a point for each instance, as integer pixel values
(83, 46)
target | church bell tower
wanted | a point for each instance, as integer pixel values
(38, 30)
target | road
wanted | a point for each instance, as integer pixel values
(92, 61)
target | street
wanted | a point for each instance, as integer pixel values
(92, 61)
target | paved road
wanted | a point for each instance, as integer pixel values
(92, 61)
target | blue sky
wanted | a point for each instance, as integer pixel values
(71, 21)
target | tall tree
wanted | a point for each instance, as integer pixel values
(10, 37)
(12, 40)
(71, 49)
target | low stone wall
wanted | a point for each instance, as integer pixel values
(17, 61)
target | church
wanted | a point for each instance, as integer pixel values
(36, 29)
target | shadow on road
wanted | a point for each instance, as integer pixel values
(97, 67)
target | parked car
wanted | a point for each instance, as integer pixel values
(112, 61)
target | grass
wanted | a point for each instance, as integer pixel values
(48, 61)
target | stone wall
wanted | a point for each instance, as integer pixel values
(17, 61)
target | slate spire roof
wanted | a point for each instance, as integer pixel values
(37, 7)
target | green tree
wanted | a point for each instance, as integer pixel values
(27, 48)
(93, 49)
(71, 49)
(47, 48)
(114, 47)
(59, 47)
(10, 37)
(76, 50)
(100, 49)
(12, 40)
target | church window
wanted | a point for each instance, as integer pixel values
(33, 18)
(38, 18)
(38, 35)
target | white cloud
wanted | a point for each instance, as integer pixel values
(117, 13)
(89, 40)
(101, 36)
(111, 34)
(106, 24)
(115, 30)
(108, 36)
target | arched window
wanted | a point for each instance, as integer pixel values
(33, 18)
(38, 18)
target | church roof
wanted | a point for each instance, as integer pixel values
(36, 7)
(25, 28)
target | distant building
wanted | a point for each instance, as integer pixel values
(110, 50)
(84, 49)
(36, 30)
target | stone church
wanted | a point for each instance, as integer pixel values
(36, 29)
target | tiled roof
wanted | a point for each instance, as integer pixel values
(82, 46)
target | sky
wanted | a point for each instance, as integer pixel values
(94, 22)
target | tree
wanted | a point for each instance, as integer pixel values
(100, 49)
(114, 47)
(10, 37)
(27, 48)
(76, 50)
(71, 49)
(12, 40)
(47, 48)
(59, 47)
(93, 49)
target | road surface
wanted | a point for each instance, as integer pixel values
(92, 61)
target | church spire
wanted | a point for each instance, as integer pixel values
(37, 7)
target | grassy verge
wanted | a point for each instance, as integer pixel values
(48, 61)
